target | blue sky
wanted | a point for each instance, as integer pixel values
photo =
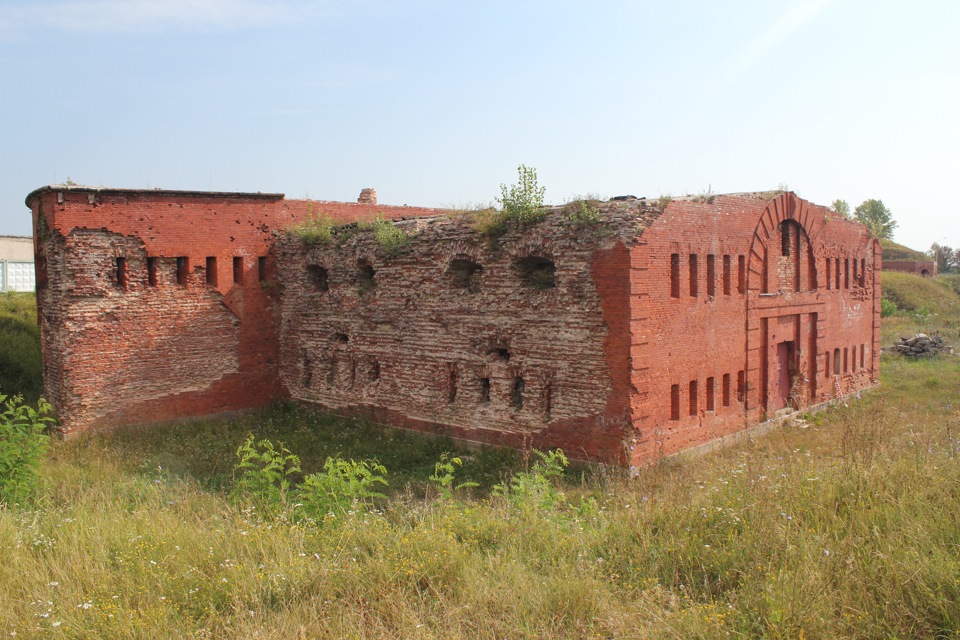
(436, 103)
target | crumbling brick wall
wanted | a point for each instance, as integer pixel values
(520, 339)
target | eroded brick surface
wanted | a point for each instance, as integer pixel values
(456, 330)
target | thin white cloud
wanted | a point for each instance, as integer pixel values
(134, 16)
(798, 16)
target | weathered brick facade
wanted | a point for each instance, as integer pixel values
(657, 329)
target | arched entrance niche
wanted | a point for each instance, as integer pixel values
(782, 308)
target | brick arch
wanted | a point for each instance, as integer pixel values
(783, 208)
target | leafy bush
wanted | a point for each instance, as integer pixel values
(536, 488)
(339, 486)
(391, 238)
(523, 201)
(444, 475)
(581, 213)
(317, 229)
(888, 308)
(265, 472)
(23, 443)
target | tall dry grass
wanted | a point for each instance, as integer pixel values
(845, 525)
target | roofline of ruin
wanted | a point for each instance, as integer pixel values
(183, 193)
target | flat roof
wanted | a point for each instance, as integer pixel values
(77, 188)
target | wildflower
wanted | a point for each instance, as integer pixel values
(56, 624)
(54, 584)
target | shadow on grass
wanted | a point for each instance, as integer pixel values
(205, 450)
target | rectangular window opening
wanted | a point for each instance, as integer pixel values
(675, 402)
(212, 271)
(694, 276)
(863, 272)
(518, 388)
(238, 269)
(845, 369)
(785, 239)
(829, 276)
(846, 273)
(262, 268)
(674, 275)
(741, 387)
(693, 397)
(726, 275)
(711, 275)
(741, 274)
(710, 395)
(836, 362)
(726, 389)
(152, 272)
(863, 348)
(826, 364)
(452, 384)
(484, 389)
(183, 268)
(122, 272)
(836, 274)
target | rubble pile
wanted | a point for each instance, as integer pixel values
(922, 345)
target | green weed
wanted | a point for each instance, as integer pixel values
(392, 239)
(317, 229)
(23, 443)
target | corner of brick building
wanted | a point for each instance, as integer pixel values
(158, 306)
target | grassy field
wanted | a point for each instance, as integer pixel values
(846, 526)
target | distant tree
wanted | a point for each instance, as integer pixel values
(875, 216)
(945, 257)
(841, 207)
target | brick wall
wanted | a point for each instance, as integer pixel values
(656, 330)
(719, 342)
(158, 305)
(517, 340)
(926, 268)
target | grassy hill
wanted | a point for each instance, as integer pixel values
(894, 251)
(922, 305)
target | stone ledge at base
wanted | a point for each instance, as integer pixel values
(762, 428)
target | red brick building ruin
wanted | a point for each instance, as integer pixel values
(925, 268)
(658, 328)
